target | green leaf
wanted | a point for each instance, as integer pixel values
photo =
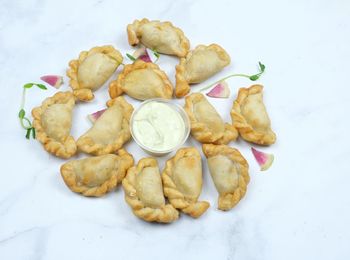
(254, 77)
(130, 57)
(41, 86)
(33, 132)
(28, 133)
(28, 85)
(21, 113)
(262, 67)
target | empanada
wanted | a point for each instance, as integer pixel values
(160, 36)
(206, 124)
(95, 176)
(110, 131)
(229, 171)
(92, 69)
(142, 80)
(53, 121)
(199, 65)
(182, 180)
(144, 193)
(250, 117)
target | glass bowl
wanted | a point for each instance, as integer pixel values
(175, 107)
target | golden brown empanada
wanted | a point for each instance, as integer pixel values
(160, 36)
(250, 117)
(92, 69)
(182, 180)
(206, 124)
(95, 176)
(144, 193)
(110, 131)
(229, 171)
(142, 80)
(199, 65)
(53, 121)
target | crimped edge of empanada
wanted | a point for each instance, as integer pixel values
(200, 131)
(85, 94)
(86, 143)
(63, 150)
(227, 201)
(182, 86)
(134, 36)
(165, 214)
(245, 129)
(69, 177)
(193, 208)
(116, 86)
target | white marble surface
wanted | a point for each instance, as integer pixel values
(299, 209)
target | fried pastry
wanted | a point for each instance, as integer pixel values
(199, 65)
(250, 117)
(52, 122)
(92, 69)
(160, 36)
(206, 124)
(110, 131)
(144, 193)
(142, 80)
(182, 180)
(95, 176)
(229, 171)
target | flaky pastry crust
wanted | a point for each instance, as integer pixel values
(87, 142)
(187, 203)
(164, 213)
(118, 87)
(256, 129)
(65, 146)
(201, 131)
(138, 33)
(227, 200)
(189, 73)
(84, 93)
(82, 176)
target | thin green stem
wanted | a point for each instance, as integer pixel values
(21, 120)
(227, 77)
(28, 121)
(26, 124)
(23, 98)
(22, 123)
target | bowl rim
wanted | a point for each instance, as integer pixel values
(178, 108)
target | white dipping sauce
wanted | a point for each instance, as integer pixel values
(158, 126)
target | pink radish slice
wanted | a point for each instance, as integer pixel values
(53, 80)
(264, 160)
(145, 57)
(153, 58)
(94, 116)
(140, 51)
(221, 90)
(144, 54)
